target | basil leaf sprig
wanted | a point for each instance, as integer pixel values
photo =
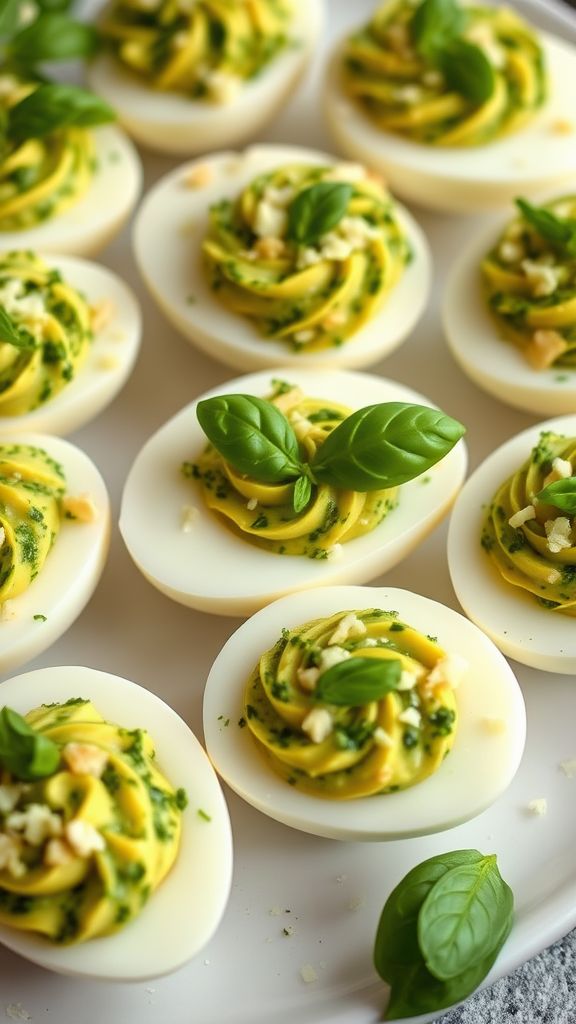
(9, 17)
(11, 334)
(316, 210)
(468, 71)
(52, 36)
(25, 753)
(561, 494)
(434, 24)
(436, 28)
(358, 681)
(52, 106)
(374, 448)
(441, 930)
(559, 231)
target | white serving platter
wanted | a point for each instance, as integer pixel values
(330, 893)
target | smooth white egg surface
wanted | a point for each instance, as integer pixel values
(175, 123)
(481, 764)
(72, 568)
(111, 355)
(201, 563)
(92, 222)
(494, 364)
(515, 621)
(460, 180)
(183, 913)
(168, 233)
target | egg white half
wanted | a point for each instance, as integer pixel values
(185, 910)
(468, 179)
(168, 233)
(110, 358)
(72, 568)
(480, 766)
(212, 569)
(100, 213)
(517, 624)
(174, 123)
(494, 364)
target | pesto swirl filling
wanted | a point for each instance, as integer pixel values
(206, 49)
(530, 285)
(264, 513)
(53, 321)
(353, 747)
(40, 177)
(530, 541)
(82, 849)
(409, 88)
(313, 289)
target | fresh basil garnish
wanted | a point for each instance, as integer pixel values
(9, 17)
(358, 681)
(467, 70)
(559, 231)
(434, 24)
(316, 210)
(252, 435)
(561, 494)
(26, 754)
(11, 334)
(384, 446)
(302, 493)
(51, 107)
(53, 36)
(441, 930)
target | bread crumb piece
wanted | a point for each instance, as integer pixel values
(79, 507)
(308, 974)
(562, 126)
(539, 806)
(200, 176)
(101, 314)
(288, 931)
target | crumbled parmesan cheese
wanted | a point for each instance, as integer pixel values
(334, 553)
(543, 348)
(269, 248)
(334, 247)
(279, 196)
(539, 806)
(410, 716)
(251, 504)
(318, 724)
(558, 534)
(408, 680)
(332, 655)
(222, 86)
(522, 516)
(188, 516)
(348, 628)
(57, 853)
(10, 794)
(554, 576)
(83, 837)
(543, 280)
(308, 677)
(80, 507)
(561, 470)
(381, 737)
(85, 759)
(511, 252)
(308, 257)
(303, 337)
(409, 94)
(10, 856)
(37, 823)
(450, 669)
(269, 221)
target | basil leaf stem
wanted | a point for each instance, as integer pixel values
(358, 681)
(252, 435)
(316, 210)
(561, 494)
(559, 231)
(53, 106)
(434, 23)
(25, 753)
(53, 36)
(384, 446)
(11, 334)
(467, 70)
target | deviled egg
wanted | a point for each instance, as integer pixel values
(510, 309)
(54, 535)
(511, 551)
(102, 733)
(380, 747)
(458, 118)
(229, 544)
(281, 255)
(186, 78)
(69, 344)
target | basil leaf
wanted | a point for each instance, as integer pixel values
(302, 493)
(561, 494)
(462, 917)
(316, 210)
(385, 446)
(433, 24)
(357, 681)
(9, 16)
(54, 5)
(560, 231)
(252, 435)
(53, 106)
(11, 334)
(26, 754)
(467, 70)
(53, 36)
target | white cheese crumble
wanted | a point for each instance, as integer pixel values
(523, 515)
(348, 628)
(561, 470)
(303, 337)
(334, 553)
(10, 856)
(37, 823)
(558, 534)
(269, 221)
(554, 576)
(10, 794)
(318, 724)
(83, 837)
(346, 172)
(381, 737)
(222, 86)
(543, 280)
(251, 504)
(511, 252)
(408, 680)
(29, 309)
(450, 669)
(308, 257)
(308, 677)
(80, 507)
(279, 196)
(332, 655)
(410, 716)
(85, 759)
(57, 853)
(409, 94)
(538, 806)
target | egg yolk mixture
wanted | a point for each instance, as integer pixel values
(40, 177)
(82, 849)
(268, 257)
(207, 49)
(264, 513)
(354, 746)
(432, 89)
(530, 541)
(53, 326)
(530, 285)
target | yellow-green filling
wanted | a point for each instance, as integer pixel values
(55, 321)
(48, 885)
(264, 513)
(404, 92)
(204, 48)
(313, 296)
(372, 747)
